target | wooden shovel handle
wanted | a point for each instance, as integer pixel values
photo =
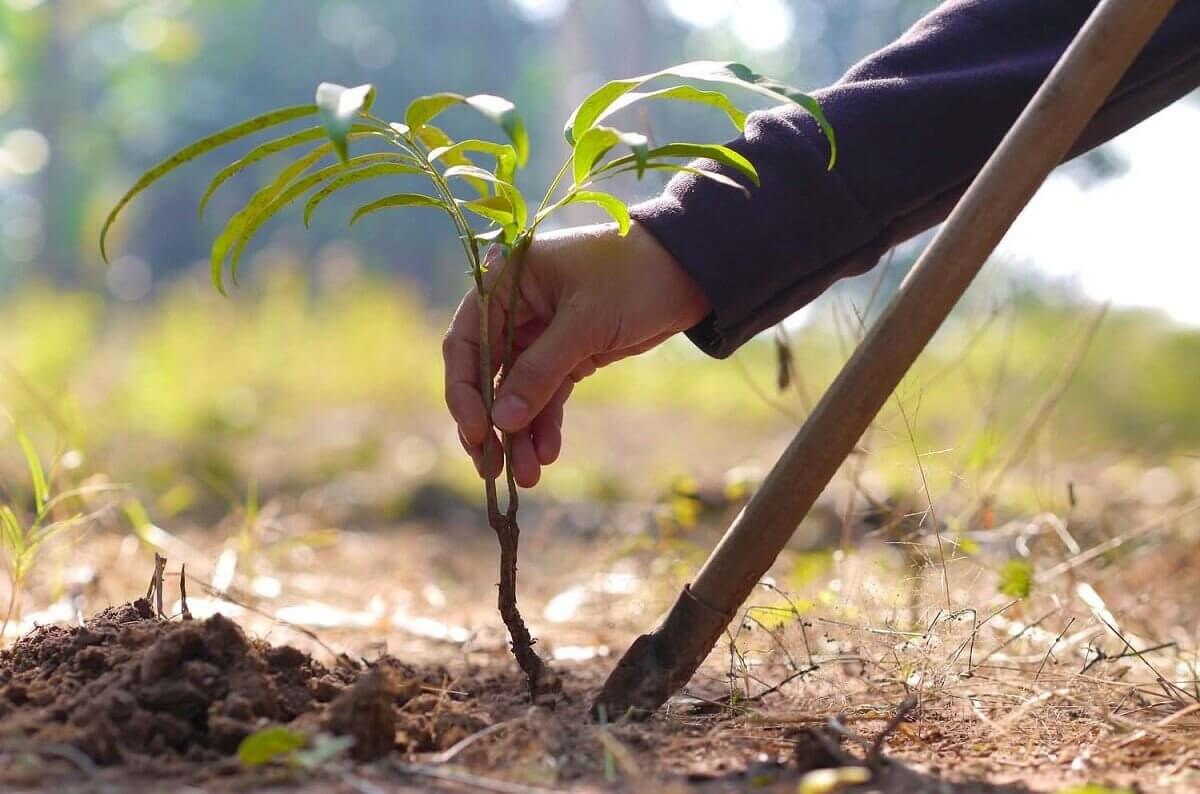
(1039, 140)
(1100, 54)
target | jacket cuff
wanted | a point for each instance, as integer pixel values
(758, 257)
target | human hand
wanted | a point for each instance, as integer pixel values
(588, 297)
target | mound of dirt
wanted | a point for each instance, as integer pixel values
(128, 688)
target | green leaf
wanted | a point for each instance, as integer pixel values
(1016, 578)
(435, 138)
(455, 154)
(37, 475)
(592, 145)
(684, 93)
(397, 200)
(339, 106)
(609, 203)
(639, 145)
(589, 111)
(495, 208)
(491, 236)
(496, 109)
(424, 109)
(259, 152)
(272, 198)
(271, 147)
(298, 189)
(507, 189)
(269, 744)
(198, 148)
(597, 142)
(261, 198)
(711, 151)
(714, 176)
(504, 115)
(353, 177)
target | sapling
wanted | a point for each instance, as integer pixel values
(484, 204)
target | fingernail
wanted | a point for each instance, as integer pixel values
(510, 413)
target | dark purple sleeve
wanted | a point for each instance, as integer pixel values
(914, 124)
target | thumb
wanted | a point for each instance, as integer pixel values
(537, 374)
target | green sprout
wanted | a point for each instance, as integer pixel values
(484, 203)
(25, 530)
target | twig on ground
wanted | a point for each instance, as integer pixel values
(1050, 650)
(467, 779)
(875, 752)
(450, 753)
(156, 583)
(187, 613)
(1114, 543)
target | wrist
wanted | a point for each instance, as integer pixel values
(672, 281)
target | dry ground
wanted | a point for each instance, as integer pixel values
(1091, 678)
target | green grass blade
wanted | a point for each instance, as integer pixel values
(397, 200)
(37, 475)
(354, 177)
(196, 149)
(607, 202)
(13, 536)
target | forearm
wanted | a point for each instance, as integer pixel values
(914, 123)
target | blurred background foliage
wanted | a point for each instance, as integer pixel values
(325, 363)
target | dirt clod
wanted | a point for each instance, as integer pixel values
(131, 689)
(366, 712)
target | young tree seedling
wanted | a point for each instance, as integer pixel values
(484, 204)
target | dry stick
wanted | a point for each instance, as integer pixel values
(937, 530)
(187, 613)
(474, 782)
(1114, 543)
(156, 582)
(1050, 650)
(658, 664)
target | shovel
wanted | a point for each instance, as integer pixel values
(658, 664)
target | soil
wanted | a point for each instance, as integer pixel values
(130, 700)
(158, 696)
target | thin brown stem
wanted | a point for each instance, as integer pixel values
(542, 681)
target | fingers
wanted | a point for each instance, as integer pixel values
(538, 373)
(527, 470)
(460, 356)
(547, 427)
